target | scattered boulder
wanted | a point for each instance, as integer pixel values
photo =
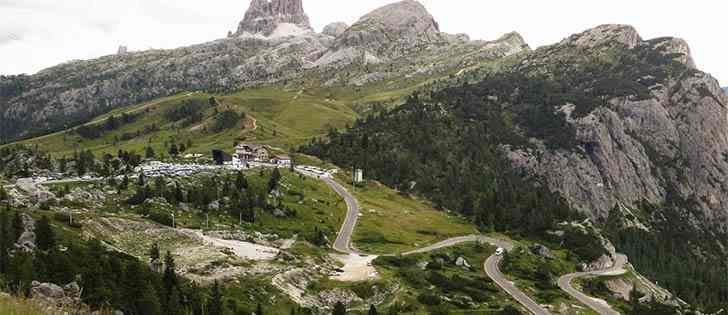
(542, 251)
(26, 242)
(46, 290)
(51, 293)
(278, 213)
(462, 262)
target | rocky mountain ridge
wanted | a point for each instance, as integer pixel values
(664, 142)
(263, 17)
(625, 131)
(274, 43)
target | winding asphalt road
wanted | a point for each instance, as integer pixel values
(491, 269)
(343, 239)
(598, 305)
(343, 244)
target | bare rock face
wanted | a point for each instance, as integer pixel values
(675, 47)
(69, 295)
(335, 29)
(26, 242)
(392, 30)
(263, 17)
(670, 145)
(273, 43)
(605, 34)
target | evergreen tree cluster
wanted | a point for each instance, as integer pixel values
(236, 197)
(448, 149)
(108, 279)
(94, 131)
(667, 254)
(24, 161)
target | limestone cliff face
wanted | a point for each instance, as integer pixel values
(392, 30)
(335, 29)
(401, 29)
(274, 42)
(264, 16)
(669, 147)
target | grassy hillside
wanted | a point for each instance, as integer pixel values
(273, 116)
(283, 116)
(395, 223)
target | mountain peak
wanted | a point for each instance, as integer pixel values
(403, 15)
(605, 34)
(403, 24)
(264, 17)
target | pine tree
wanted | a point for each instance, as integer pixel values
(4, 240)
(173, 150)
(154, 253)
(372, 310)
(141, 180)
(124, 185)
(178, 195)
(169, 279)
(241, 182)
(3, 193)
(131, 283)
(45, 238)
(149, 153)
(194, 299)
(17, 227)
(215, 305)
(173, 304)
(20, 272)
(275, 179)
(259, 310)
(339, 309)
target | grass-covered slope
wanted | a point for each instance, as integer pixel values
(273, 116)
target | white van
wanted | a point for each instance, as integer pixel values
(500, 251)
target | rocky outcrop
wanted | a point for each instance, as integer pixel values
(74, 92)
(264, 17)
(66, 296)
(541, 251)
(335, 29)
(274, 43)
(605, 35)
(26, 242)
(393, 30)
(676, 48)
(668, 145)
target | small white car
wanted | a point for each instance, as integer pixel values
(500, 251)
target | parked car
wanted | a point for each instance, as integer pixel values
(500, 251)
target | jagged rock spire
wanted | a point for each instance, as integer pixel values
(264, 16)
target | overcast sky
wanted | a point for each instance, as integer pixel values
(35, 34)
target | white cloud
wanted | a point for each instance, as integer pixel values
(35, 34)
